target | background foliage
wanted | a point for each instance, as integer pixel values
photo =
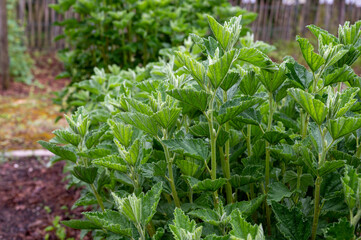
(20, 61)
(130, 33)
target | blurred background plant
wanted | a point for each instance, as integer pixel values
(130, 33)
(20, 60)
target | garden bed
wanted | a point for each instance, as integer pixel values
(31, 196)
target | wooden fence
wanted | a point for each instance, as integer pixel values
(277, 19)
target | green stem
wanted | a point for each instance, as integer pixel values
(299, 174)
(227, 170)
(316, 211)
(358, 151)
(249, 153)
(227, 174)
(141, 232)
(268, 159)
(97, 196)
(356, 218)
(171, 177)
(213, 139)
(304, 123)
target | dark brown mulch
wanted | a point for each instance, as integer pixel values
(28, 190)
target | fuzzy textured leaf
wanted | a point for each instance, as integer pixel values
(317, 109)
(196, 148)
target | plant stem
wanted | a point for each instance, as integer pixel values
(171, 177)
(268, 159)
(316, 207)
(97, 196)
(299, 174)
(227, 174)
(213, 140)
(356, 218)
(227, 170)
(249, 153)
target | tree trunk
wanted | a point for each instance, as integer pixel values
(4, 55)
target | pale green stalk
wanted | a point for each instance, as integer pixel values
(268, 159)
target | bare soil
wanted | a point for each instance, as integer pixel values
(31, 196)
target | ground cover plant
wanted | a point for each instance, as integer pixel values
(129, 33)
(217, 141)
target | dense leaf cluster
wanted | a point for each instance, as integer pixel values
(217, 141)
(130, 33)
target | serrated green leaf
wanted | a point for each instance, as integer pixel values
(150, 202)
(111, 221)
(274, 137)
(340, 230)
(333, 53)
(313, 60)
(256, 58)
(234, 107)
(80, 224)
(149, 85)
(85, 200)
(63, 152)
(200, 130)
(112, 162)
(330, 166)
(141, 121)
(197, 99)
(85, 174)
(188, 167)
(183, 228)
(231, 79)
(342, 74)
(241, 229)
(249, 83)
(95, 153)
(317, 109)
(218, 70)
(291, 222)
(196, 148)
(342, 103)
(195, 68)
(249, 116)
(283, 152)
(246, 208)
(122, 132)
(342, 126)
(223, 36)
(68, 137)
(277, 191)
(139, 106)
(291, 178)
(206, 184)
(207, 215)
(272, 80)
(167, 117)
(250, 174)
(326, 37)
(92, 137)
(299, 75)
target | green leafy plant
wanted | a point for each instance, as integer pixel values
(130, 33)
(20, 61)
(226, 141)
(60, 231)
